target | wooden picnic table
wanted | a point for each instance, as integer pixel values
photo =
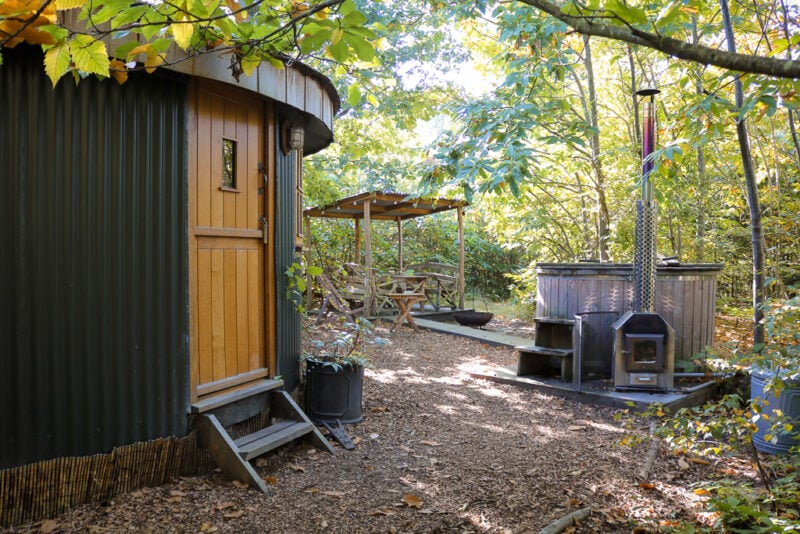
(405, 301)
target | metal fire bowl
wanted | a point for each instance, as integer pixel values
(472, 318)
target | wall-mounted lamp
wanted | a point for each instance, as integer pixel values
(292, 136)
(296, 137)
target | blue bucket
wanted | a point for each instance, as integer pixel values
(788, 402)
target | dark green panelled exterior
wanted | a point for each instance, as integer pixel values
(93, 279)
(288, 327)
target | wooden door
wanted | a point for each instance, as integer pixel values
(230, 282)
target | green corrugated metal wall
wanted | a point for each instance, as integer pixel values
(288, 320)
(93, 277)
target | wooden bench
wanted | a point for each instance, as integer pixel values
(442, 284)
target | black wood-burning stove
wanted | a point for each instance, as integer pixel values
(644, 352)
(644, 343)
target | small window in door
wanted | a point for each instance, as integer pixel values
(228, 165)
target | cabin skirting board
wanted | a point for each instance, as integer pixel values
(44, 489)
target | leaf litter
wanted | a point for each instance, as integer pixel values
(507, 460)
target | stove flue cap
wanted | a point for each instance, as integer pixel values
(648, 91)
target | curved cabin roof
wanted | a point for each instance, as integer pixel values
(303, 94)
(385, 206)
(306, 94)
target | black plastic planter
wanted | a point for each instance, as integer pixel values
(334, 393)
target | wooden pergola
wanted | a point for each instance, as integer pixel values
(378, 205)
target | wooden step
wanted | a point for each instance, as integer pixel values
(232, 456)
(271, 437)
(218, 401)
(555, 320)
(240, 404)
(544, 351)
(535, 360)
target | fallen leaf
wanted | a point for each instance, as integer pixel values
(238, 484)
(430, 443)
(682, 464)
(272, 481)
(175, 499)
(374, 436)
(261, 462)
(357, 440)
(702, 491)
(647, 485)
(298, 468)
(311, 490)
(378, 409)
(576, 428)
(208, 527)
(234, 515)
(701, 461)
(49, 526)
(412, 501)
(176, 493)
(573, 502)
(426, 511)
(224, 505)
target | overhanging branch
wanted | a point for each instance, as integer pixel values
(779, 68)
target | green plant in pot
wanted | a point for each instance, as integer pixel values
(334, 371)
(775, 378)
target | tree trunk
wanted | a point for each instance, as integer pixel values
(700, 249)
(789, 56)
(756, 226)
(594, 143)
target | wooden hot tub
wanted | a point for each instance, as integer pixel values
(685, 296)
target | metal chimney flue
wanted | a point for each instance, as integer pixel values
(645, 243)
(644, 343)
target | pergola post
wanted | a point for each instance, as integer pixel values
(400, 245)
(461, 283)
(358, 242)
(368, 257)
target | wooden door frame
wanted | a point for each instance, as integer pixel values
(268, 139)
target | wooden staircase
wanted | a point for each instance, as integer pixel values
(288, 423)
(553, 343)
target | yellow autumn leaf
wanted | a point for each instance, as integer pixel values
(119, 71)
(249, 65)
(152, 62)
(141, 49)
(702, 492)
(56, 62)
(15, 7)
(235, 7)
(336, 35)
(182, 31)
(61, 5)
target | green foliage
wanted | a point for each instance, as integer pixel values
(249, 32)
(346, 348)
(296, 275)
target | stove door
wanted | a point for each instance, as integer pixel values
(645, 352)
